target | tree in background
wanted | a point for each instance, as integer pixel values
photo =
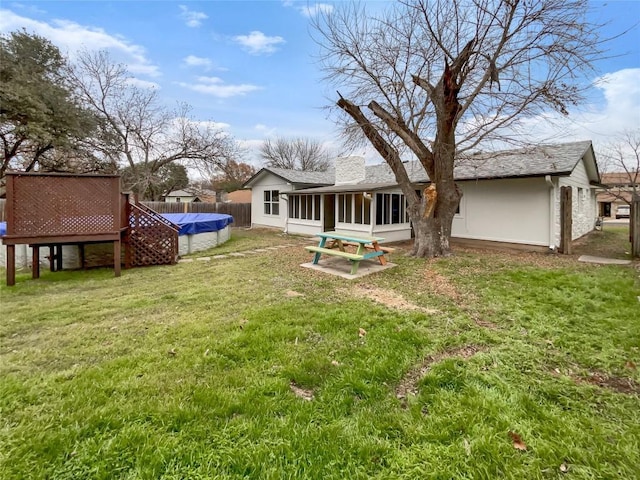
(159, 184)
(621, 160)
(440, 78)
(139, 133)
(232, 177)
(43, 125)
(295, 154)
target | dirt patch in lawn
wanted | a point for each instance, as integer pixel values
(617, 384)
(485, 323)
(600, 379)
(409, 383)
(388, 298)
(303, 393)
(439, 284)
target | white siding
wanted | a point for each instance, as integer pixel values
(584, 204)
(258, 217)
(303, 227)
(510, 210)
(181, 199)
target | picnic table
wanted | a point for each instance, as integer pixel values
(334, 243)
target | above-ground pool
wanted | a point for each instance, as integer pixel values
(198, 231)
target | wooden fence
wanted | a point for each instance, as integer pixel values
(241, 212)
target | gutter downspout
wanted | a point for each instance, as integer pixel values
(552, 212)
(285, 197)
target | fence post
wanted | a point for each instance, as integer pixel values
(634, 226)
(566, 221)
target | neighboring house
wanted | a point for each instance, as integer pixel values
(181, 196)
(191, 195)
(510, 197)
(239, 196)
(618, 191)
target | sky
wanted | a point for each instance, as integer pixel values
(251, 66)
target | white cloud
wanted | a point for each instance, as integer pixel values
(216, 87)
(72, 37)
(27, 8)
(265, 130)
(192, 18)
(209, 124)
(315, 9)
(598, 122)
(193, 61)
(257, 43)
(309, 10)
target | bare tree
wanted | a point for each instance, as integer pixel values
(439, 78)
(295, 154)
(138, 132)
(621, 159)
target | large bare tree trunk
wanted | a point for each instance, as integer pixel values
(433, 234)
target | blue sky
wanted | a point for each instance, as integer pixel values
(251, 65)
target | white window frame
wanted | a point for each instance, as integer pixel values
(271, 205)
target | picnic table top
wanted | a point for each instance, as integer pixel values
(349, 237)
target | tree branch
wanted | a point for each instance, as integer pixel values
(384, 148)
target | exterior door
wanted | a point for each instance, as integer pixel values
(329, 215)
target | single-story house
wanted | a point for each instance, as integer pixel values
(510, 197)
(191, 195)
(618, 191)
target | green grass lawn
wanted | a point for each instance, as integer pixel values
(253, 367)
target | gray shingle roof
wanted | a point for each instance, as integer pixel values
(558, 159)
(539, 160)
(297, 176)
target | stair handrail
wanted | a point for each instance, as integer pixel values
(156, 215)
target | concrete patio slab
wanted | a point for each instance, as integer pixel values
(602, 260)
(341, 268)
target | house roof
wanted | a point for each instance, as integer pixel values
(239, 196)
(620, 178)
(296, 177)
(618, 197)
(535, 161)
(558, 159)
(181, 193)
(192, 192)
(345, 187)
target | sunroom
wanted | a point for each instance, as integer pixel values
(372, 210)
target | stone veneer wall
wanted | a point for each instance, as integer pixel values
(584, 212)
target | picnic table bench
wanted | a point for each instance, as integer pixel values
(367, 248)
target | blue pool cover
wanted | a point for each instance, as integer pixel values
(192, 223)
(189, 223)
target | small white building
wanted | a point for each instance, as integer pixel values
(191, 195)
(509, 197)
